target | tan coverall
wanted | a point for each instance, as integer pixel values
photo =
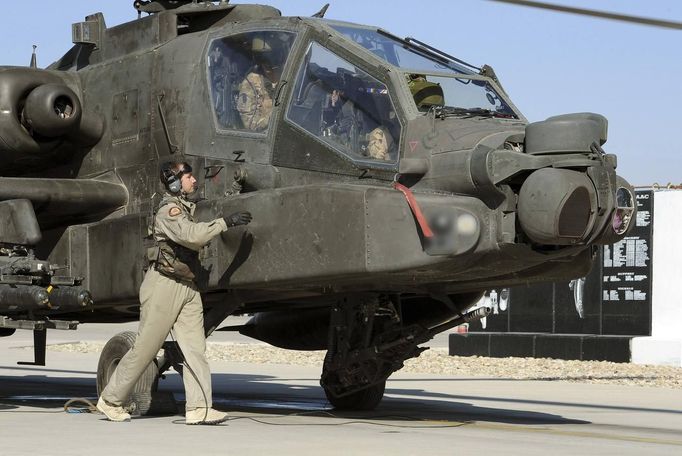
(254, 101)
(169, 303)
(380, 141)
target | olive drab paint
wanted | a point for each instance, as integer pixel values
(314, 121)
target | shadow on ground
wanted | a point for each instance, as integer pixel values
(269, 395)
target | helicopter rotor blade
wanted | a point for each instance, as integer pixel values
(595, 13)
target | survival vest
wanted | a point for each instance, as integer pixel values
(170, 258)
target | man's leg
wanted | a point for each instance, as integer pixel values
(160, 307)
(189, 331)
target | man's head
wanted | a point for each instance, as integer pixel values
(268, 50)
(262, 51)
(177, 178)
(261, 45)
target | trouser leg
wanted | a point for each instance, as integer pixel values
(189, 331)
(160, 307)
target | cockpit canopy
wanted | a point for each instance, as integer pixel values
(343, 100)
(449, 84)
(395, 52)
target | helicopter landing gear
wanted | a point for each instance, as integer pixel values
(365, 399)
(367, 343)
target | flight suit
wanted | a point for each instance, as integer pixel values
(254, 102)
(170, 300)
(380, 142)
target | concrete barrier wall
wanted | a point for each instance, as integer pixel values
(664, 345)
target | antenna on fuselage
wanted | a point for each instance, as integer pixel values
(34, 59)
(322, 11)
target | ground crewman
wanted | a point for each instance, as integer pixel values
(170, 300)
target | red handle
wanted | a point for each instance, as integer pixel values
(414, 206)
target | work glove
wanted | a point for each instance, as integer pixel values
(238, 218)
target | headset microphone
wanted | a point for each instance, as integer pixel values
(171, 179)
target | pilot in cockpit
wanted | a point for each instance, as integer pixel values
(350, 119)
(426, 94)
(257, 89)
(380, 144)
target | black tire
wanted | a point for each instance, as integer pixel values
(113, 351)
(363, 400)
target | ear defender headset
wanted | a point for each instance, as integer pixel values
(171, 179)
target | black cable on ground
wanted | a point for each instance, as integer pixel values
(86, 406)
(345, 423)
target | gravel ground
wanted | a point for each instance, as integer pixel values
(437, 361)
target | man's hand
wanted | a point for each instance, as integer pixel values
(238, 218)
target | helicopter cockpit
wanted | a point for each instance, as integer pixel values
(244, 71)
(333, 97)
(345, 107)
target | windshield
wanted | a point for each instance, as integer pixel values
(345, 107)
(398, 52)
(458, 96)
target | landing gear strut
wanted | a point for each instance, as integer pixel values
(367, 343)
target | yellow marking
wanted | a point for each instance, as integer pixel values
(50, 288)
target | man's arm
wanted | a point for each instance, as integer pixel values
(194, 235)
(181, 230)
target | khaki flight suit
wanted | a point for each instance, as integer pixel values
(380, 142)
(254, 101)
(167, 303)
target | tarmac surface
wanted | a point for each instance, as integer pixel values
(281, 410)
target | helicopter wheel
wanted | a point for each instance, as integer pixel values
(364, 400)
(145, 388)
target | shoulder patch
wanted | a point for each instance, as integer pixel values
(174, 211)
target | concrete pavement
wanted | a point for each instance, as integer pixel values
(280, 409)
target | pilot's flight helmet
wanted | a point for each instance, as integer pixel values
(425, 93)
(263, 50)
(260, 45)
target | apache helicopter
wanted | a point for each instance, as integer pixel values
(390, 184)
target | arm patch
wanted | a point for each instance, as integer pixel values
(174, 211)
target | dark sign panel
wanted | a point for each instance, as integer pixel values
(613, 299)
(626, 272)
